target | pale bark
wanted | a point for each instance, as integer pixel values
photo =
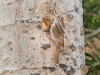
(21, 38)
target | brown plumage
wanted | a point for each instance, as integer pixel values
(56, 34)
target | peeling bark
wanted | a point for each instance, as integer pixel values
(26, 49)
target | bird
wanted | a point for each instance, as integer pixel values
(56, 34)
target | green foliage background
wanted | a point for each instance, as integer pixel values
(92, 22)
(91, 14)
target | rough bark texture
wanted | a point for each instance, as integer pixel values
(26, 50)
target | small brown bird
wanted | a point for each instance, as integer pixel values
(56, 34)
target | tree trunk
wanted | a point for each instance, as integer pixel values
(28, 49)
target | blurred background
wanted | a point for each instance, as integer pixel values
(92, 35)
